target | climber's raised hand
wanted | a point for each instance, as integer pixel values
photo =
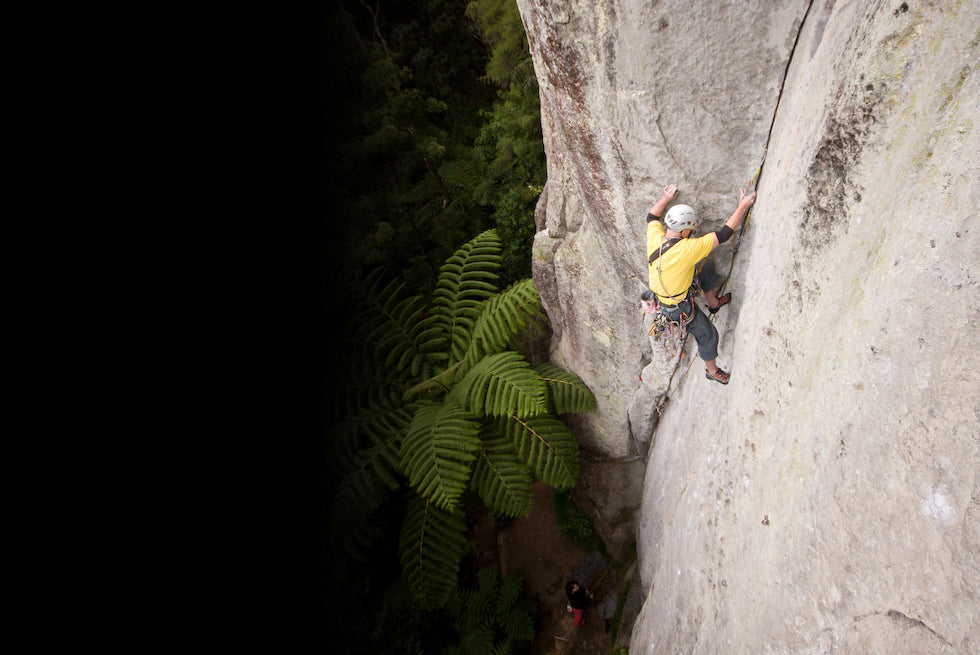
(746, 198)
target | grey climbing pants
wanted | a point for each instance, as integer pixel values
(703, 330)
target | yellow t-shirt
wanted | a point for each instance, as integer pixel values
(676, 266)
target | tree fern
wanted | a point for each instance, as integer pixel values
(500, 478)
(437, 452)
(439, 397)
(568, 392)
(547, 446)
(500, 385)
(431, 545)
(503, 318)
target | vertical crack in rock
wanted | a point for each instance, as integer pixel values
(670, 151)
(782, 83)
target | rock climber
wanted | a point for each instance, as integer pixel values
(675, 257)
(578, 600)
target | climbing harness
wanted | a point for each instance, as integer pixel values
(670, 331)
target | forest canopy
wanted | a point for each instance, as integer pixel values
(431, 134)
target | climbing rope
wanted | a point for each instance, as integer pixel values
(737, 241)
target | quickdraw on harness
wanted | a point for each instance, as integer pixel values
(672, 332)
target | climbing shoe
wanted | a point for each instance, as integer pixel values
(720, 376)
(727, 298)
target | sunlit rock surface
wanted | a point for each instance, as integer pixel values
(828, 499)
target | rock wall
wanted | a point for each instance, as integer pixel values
(635, 95)
(828, 499)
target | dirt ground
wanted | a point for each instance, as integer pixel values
(534, 549)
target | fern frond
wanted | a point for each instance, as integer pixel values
(567, 391)
(431, 544)
(484, 603)
(547, 446)
(361, 492)
(438, 450)
(501, 385)
(506, 647)
(505, 317)
(395, 333)
(517, 624)
(510, 591)
(358, 380)
(457, 603)
(466, 280)
(500, 478)
(478, 641)
(395, 325)
(376, 421)
(436, 385)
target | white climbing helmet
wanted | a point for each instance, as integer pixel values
(681, 217)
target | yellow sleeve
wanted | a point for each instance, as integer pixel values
(655, 234)
(703, 245)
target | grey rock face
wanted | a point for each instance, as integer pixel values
(634, 96)
(828, 499)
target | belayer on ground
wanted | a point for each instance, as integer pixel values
(676, 259)
(579, 599)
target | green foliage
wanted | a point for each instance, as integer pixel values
(466, 280)
(505, 317)
(400, 120)
(502, 28)
(510, 139)
(568, 392)
(500, 478)
(481, 420)
(365, 451)
(431, 133)
(431, 545)
(547, 445)
(575, 523)
(502, 384)
(437, 452)
(495, 618)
